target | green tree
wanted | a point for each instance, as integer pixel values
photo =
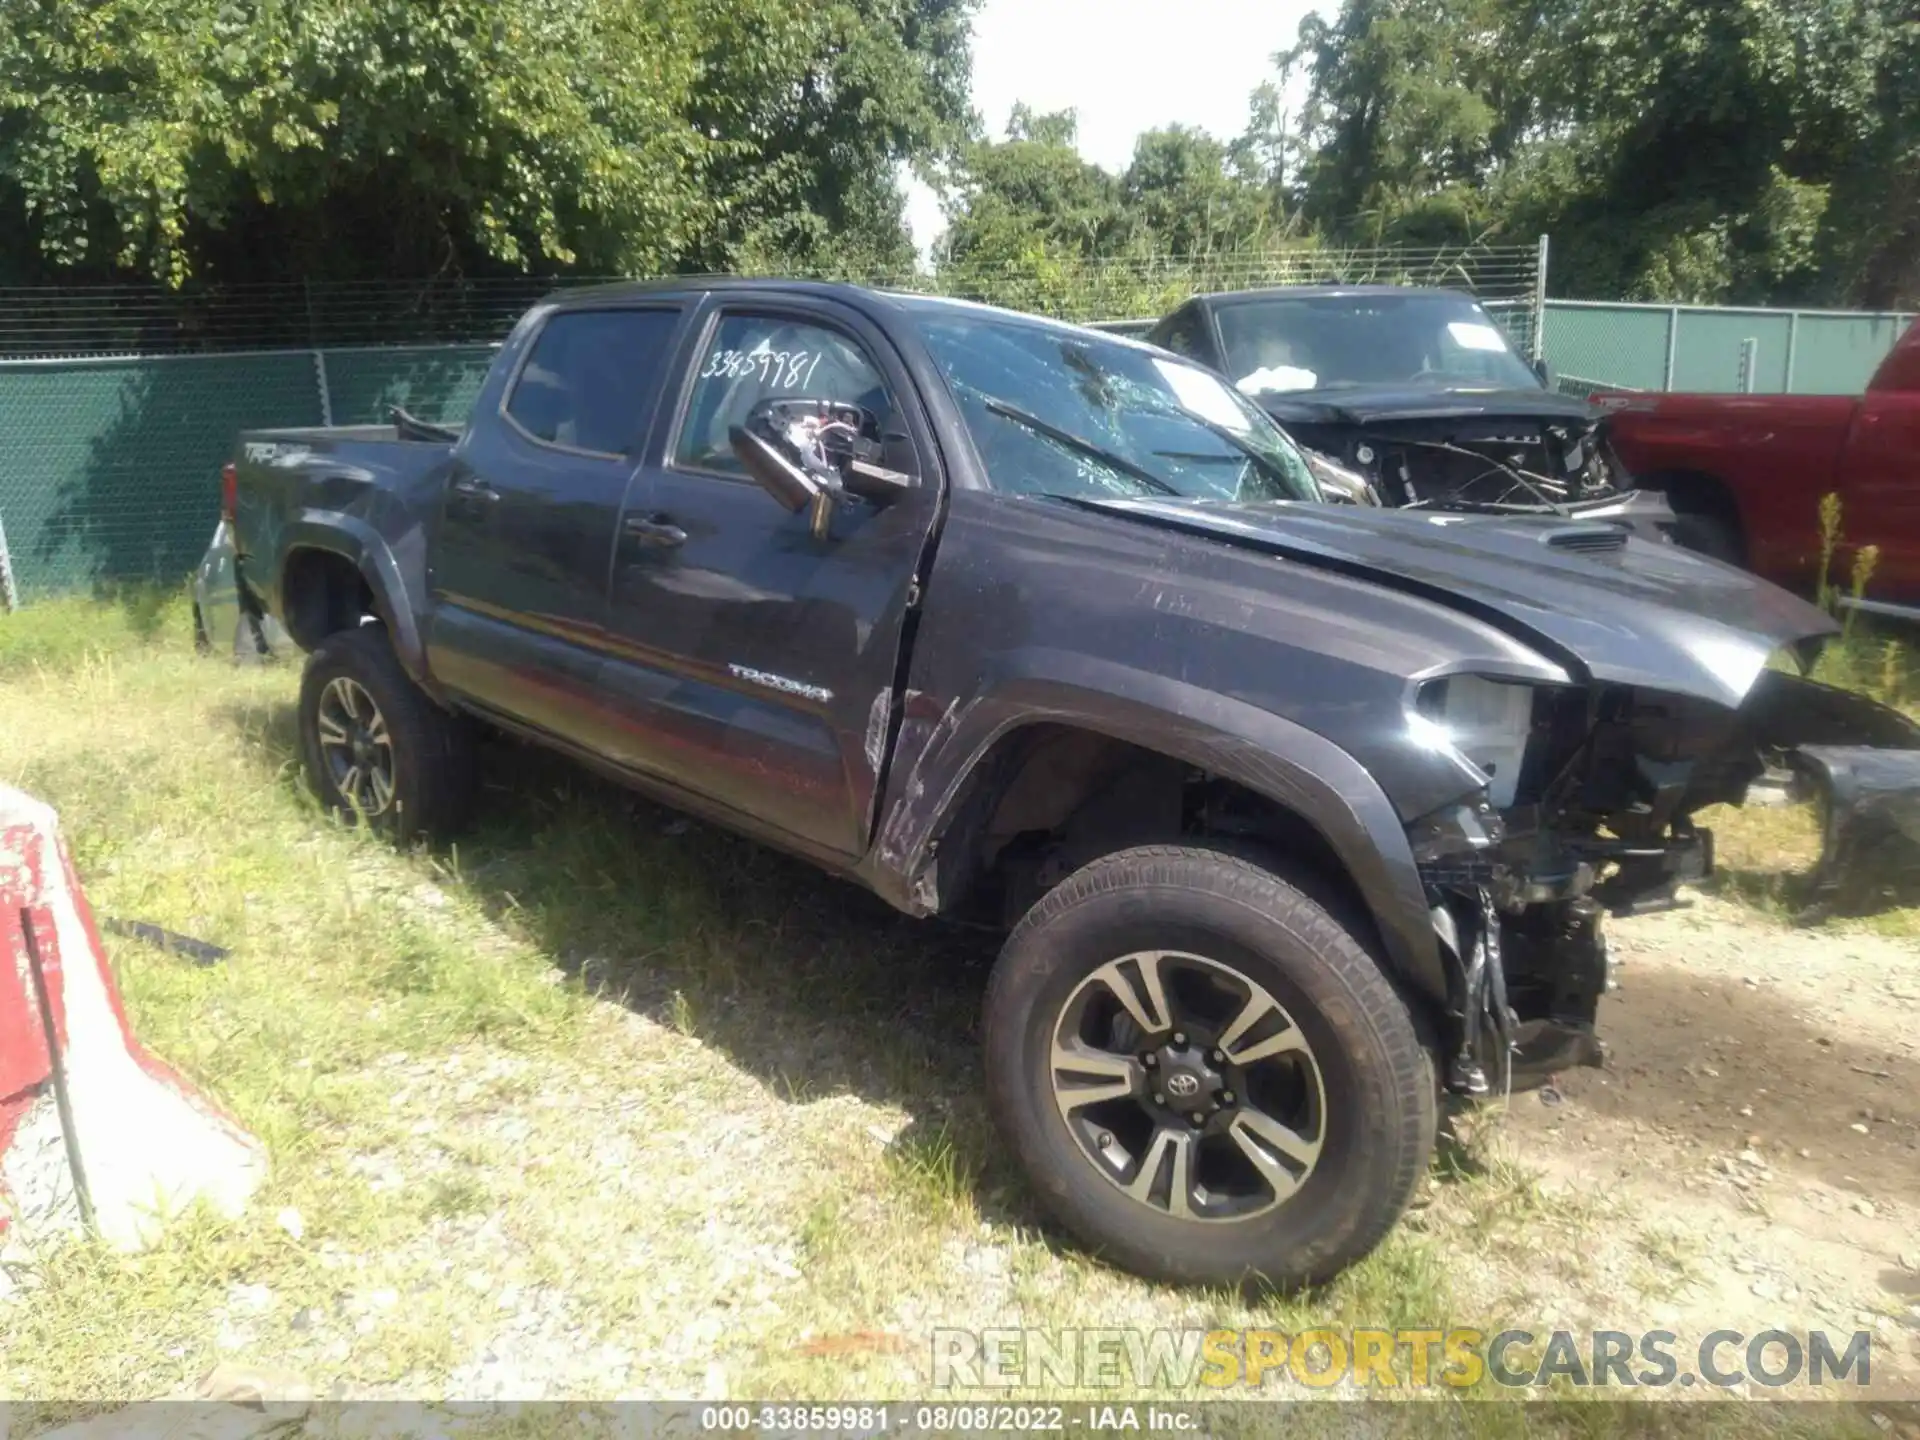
(247, 138)
(1706, 150)
(1398, 125)
(1028, 195)
(1183, 190)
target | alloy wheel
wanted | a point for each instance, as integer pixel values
(1188, 1086)
(356, 746)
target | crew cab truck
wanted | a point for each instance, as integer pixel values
(1746, 474)
(1301, 814)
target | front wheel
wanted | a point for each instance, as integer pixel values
(378, 751)
(1206, 1077)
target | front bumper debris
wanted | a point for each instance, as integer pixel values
(1869, 805)
(1518, 896)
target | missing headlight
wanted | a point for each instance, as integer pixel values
(1488, 722)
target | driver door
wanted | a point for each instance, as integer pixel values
(754, 664)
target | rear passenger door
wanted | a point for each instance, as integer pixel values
(757, 663)
(530, 510)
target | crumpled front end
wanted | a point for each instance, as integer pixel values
(1453, 455)
(1588, 811)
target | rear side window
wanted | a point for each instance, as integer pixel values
(592, 377)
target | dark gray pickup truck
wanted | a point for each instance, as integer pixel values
(1301, 815)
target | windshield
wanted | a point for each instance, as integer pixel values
(1055, 412)
(1335, 342)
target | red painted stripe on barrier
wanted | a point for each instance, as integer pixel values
(24, 1061)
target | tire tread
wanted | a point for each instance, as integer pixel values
(1228, 874)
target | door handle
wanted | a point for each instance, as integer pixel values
(656, 530)
(474, 489)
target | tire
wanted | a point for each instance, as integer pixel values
(429, 753)
(1205, 919)
(1708, 535)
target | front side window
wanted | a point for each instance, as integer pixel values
(1297, 344)
(591, 379)
(1054, 411)
(752, 358)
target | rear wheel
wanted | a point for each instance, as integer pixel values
(377, 749)
(1705, 520)
(1708, 535)
(1206, 1077)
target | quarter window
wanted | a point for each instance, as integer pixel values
(591, 379)
(758, 357)
(1182, 335)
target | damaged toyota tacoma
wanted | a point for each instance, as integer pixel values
(1301, 816)
(1413, 397)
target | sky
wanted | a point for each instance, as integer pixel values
(1124, 65)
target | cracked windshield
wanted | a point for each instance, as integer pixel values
(1053, 413)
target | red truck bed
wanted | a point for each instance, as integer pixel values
(1747, 473)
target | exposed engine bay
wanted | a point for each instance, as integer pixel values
(1452, 462)
(1588, 812)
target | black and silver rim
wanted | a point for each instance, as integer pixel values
(356, 746)
(1188, 1086)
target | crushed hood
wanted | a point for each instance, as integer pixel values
(1617, 608)
(1399, 403)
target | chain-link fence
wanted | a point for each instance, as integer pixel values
(55, 321)
(1596, 345)
(118, 404)
(110, 469)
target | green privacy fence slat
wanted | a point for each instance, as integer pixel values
(1626, 348)
(110, 470)
(1837, 354)
(1690, 347)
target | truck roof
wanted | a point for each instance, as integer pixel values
(1319, 292)
(859, 296)
(697, 285)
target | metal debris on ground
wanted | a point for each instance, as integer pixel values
(201, 952)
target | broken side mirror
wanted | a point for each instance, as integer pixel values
(807, 452)
(1544, 370)
(785, 479)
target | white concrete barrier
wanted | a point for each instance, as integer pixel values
(93, 1129)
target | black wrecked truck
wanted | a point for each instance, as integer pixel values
(1301, 816)
(1414, 397)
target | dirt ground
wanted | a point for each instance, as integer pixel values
(1749, 1160)
(1753, 1144)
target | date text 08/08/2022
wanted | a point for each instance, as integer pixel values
(880, 1419)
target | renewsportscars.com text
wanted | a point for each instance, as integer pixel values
(1457, 1358)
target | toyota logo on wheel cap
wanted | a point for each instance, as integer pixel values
(1184, 1085)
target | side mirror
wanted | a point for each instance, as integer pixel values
(806, 452)
(783, 479)
(1544, 371)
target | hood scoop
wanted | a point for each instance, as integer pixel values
(1587, 539)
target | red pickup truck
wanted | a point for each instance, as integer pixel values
(1745, 473)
